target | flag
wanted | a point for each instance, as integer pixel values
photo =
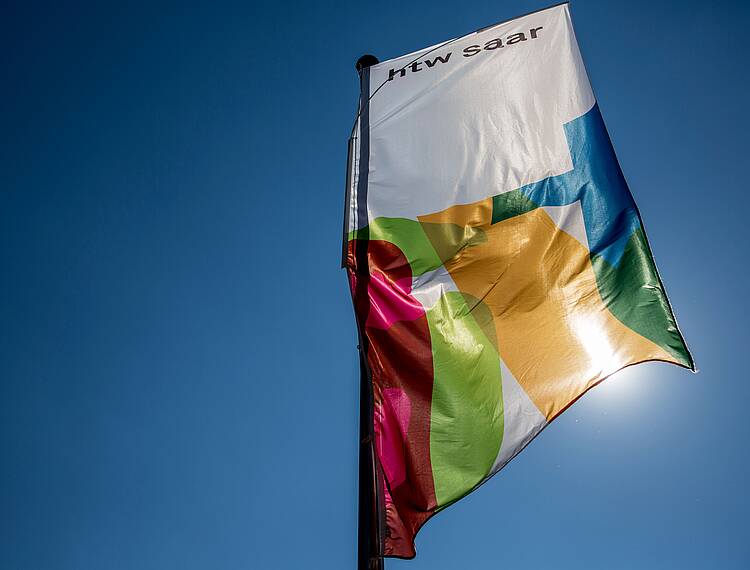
(497, 261)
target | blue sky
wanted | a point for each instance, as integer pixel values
(178, 373)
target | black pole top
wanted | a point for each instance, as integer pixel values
(366, 61)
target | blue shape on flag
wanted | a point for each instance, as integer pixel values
(609, 212)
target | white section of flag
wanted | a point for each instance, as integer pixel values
(476, 126)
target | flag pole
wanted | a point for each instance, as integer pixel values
(369, 556)
(371, 508)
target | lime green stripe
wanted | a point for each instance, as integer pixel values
(408, 236)
(467, 403)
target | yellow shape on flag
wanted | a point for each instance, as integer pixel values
(554, 331)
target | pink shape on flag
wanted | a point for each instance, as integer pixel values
(390, 301)
(391, 430)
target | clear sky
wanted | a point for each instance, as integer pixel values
(178, 373)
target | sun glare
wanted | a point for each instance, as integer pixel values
(593, 338)
(622, 384)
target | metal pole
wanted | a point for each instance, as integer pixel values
(371, 507)
(369, 556)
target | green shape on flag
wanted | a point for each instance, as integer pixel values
(510, 204)
(408, 236)
(466, 424)
(633, 292)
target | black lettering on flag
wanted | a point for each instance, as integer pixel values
(439, 58)
(392, 73)
(494, 44)
(515, 38)
(471, 50)
(533, 32)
